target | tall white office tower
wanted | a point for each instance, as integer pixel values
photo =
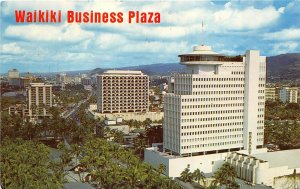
(218, 106)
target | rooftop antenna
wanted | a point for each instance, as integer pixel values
(202, 25)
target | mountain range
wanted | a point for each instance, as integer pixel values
(280, 67)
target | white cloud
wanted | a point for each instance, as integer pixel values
(286, 34)
(229, 52)
(110, 41)
(249, 18)
(284, 47)
(11, 48)
(73, 57)
(63, 33)
(156, 47)
(281, 10)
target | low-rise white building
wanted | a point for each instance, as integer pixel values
(175, 164)
(265, 168)
(116, 125)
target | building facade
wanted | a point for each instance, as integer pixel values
(270, 93)
(39, 99)
(218, 106)
(288, 95)
(14, 73)
(267, 168)
(122, 91)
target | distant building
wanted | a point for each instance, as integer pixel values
(22, 82)
(288, 94)
(270, 93)
(39, 99)
(16, 110)
(163, 87)
(171, 84)
(123, 91)
(63, 78)
(14, 73)
(116, 124)
(86, 81)
(76, 80)
(83, 76)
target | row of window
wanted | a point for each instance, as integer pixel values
(105, 96)
(123, 78)
(125, 108)
(109, 93)
(219, 92)
(211, 144)
(211, 125)
(124, 85)
(237, 73)
(211, 119)
(211, 112)
(211, 99)
(212, 105)
(218, 86)
(211, 138)
(108, 90)
(211, 131)
(217, 79)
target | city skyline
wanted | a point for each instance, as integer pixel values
(270, 27)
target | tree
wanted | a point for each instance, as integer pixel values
(161, 168)
(140, 144)
(111, 166)
(199, 176)
(225, 175)
(26, 164)
(186, 175)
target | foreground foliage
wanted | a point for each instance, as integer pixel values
(285, 134)
(26, 164)
(108, 165)
(225, 176)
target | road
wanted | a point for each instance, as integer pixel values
(69, 114)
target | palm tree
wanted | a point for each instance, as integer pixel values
(225, 176)
(186, 175)
(161, 168)
(140, 145)
(199, 176)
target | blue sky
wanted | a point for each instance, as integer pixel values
(230, 27)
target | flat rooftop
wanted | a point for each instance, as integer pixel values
(290, 158)
(122, 72)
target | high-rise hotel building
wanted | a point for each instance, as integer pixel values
(121, 91)
(39, 99)
(218, 106)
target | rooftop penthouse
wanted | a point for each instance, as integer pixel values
(204, 55)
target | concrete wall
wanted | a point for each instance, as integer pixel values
(175, 165)
(153, 116)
